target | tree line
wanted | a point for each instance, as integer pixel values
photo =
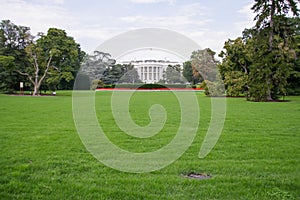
(53, 60)
(263, 64)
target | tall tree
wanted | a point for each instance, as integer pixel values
(269, 71)
(7, 78)
(54, 55)
(248, 64)
(97, 66)
(129, 74)
(293, 87)
(38, 68)
(13, 37)
(13, 41)
(236, 60)
(187, 72)
(204, 64)
(271, 20)
(67, 59)
(267, 10)
(173, 74)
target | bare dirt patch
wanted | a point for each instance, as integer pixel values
(199, 176)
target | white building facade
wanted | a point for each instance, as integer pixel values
(151, 71)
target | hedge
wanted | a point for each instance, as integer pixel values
(148, 86)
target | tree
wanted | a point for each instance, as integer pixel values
(6, 64)
(204, 64)
(188, 73)
(129, 75)
(267, 10)
(293, 87)
(67, 59)
(234, 69)
(270, 69)
(272, 51)
(173, 74)
(248, 65)
(97, 66)
(13, 41)
(13, 38)
(39, 68)
(54, 55)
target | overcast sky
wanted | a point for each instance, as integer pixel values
(208, 22)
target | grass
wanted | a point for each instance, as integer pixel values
(42, 156)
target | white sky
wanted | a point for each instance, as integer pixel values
(208, 22)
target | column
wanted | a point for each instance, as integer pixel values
(141, 73)
(145, 73)
(150, 74)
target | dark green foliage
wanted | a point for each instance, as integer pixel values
(267, 12)
(234, 68)
(112, 74)
(13, 41)
(293, 87)
(249, 68)
(269, 70)
(272, 37)
(263, 64)
(67, 58)
(7, 74)
(62, 52)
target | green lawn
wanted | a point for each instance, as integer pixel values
(42, 156)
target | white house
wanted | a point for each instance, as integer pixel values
(151, 71)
